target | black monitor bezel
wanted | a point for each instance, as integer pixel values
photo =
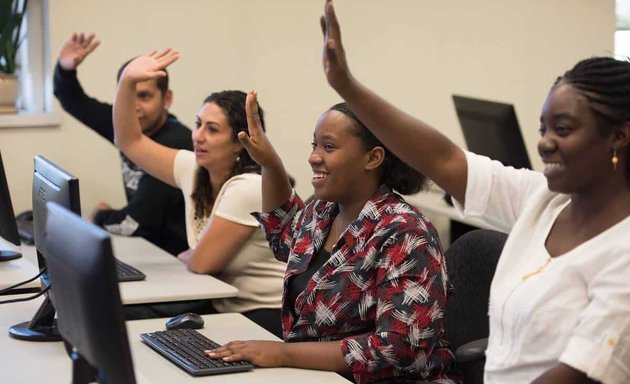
(8, 225)
(86, 294)
(509, 146)
(47, 178)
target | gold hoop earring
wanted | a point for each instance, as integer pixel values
(614, 160)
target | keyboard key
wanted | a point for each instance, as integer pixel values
(185, 348)
(126, 272)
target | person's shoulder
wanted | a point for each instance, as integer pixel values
(173, 123)
(245, 181)
(246, 188)
(397, 215)
(174, 134)
(185, 159)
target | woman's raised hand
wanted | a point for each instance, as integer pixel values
(256, 143)
(334, 57)
(149, 66)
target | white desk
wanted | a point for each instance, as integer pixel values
(153, 368)
(18, 270)
(23, 362)
(433, 200)
(167, 278)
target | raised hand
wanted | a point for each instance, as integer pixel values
(334, 57)
(75, 50)
(149, 66)
(256, 143)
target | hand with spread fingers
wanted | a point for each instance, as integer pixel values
(149, 66)
(334, 57)
(76, 49)
(256, 143)
(258, 352)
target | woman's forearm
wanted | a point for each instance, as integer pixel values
(324, 356)
(276, 188)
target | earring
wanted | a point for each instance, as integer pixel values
(614, 159)
(238, 158)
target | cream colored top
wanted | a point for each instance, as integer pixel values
(253, 270)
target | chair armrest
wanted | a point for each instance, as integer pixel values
(472, 351)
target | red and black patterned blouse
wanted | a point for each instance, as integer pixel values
(382, 292)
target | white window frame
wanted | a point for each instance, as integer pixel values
(36, 96)
(622, 33)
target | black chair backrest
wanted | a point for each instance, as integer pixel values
(471, 261)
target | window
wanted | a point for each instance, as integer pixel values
(35, 74)
(622, 35)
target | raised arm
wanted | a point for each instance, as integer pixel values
(413, 141)
(276, 188)
(76, 49)
(95, 114)
(154, 158)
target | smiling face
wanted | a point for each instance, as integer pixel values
(215, 147)
(342, 167)
(151, 106)
(574, 151)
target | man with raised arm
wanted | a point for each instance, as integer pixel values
(154, 209)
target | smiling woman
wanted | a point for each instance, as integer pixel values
(221, 186)
(365, 284)
(575, 153)
(558, 302)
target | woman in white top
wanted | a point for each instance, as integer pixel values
(560, 298)
(221, 185)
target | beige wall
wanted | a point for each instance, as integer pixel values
(414, 52)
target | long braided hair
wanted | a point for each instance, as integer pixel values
(233, 105)
(605, 82)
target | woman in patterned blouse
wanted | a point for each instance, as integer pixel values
(365, 285)
(558, 305)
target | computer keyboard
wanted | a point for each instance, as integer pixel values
(185, 347)
(126, 272)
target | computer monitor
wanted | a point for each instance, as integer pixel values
(8, 226)
(86, 296)
(491, 129)
(50, 183)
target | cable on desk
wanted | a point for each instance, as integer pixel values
(38, 294)
(23, 282)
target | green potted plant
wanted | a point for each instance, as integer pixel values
(11, 15)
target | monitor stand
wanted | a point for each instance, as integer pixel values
(43, 326)
(9, 255)
(82, 371)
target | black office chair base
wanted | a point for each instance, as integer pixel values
(9, 255)
(39, 333)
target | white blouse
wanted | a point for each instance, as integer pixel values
(574, 308)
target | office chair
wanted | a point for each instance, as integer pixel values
(471, 261)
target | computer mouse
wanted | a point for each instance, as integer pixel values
(188, 320)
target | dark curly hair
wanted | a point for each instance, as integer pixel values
(396, 174)
(605, 82)
(233, 105)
